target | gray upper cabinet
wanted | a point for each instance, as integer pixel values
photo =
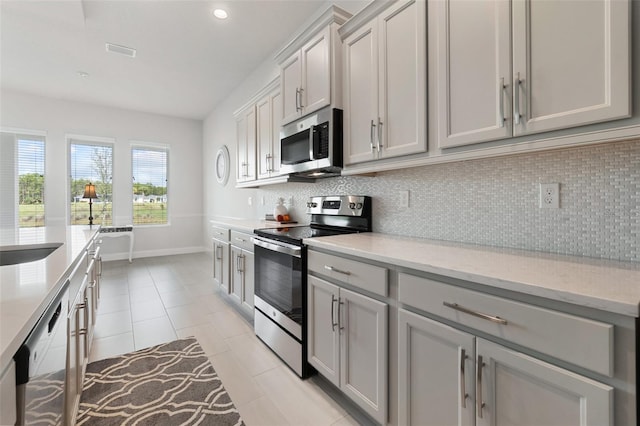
(512, 68)
(246, 145)
(310, 67)
(268, 111)
(385, 82)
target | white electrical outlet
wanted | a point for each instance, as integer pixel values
(250, 201)
(404, 199)
(549, 195)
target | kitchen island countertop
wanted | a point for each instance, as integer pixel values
(27, 288)
(601, 284)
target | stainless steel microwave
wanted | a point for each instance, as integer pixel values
(312, 146)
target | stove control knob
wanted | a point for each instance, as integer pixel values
(314, 204)
(352, 206)
(359, 205)
(308, 204)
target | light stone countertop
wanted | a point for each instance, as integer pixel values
(26, 289)
(248, 225)
(606, 285)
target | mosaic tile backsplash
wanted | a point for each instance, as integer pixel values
(496, 201)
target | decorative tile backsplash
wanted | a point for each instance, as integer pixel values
(495, 201)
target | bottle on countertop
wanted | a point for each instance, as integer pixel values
(280, 210)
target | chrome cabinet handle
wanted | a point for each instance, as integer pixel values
(331, 268)
(239, 262)
(479, 403)
(516, 99)
(242, 240)
(379, 135)
(463, 392)
(218, 252)
(268, 163)
(297, 104)
(501, 118)
(300, 94)
(371, 136)
(491, 318)
(340, 304)
(333, 324)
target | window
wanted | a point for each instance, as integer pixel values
(23, 180)
(149, 166)
(91, 162)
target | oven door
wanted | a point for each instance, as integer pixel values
(279, 283)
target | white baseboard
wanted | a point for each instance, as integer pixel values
(107, 257)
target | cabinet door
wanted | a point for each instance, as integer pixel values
(246, 146)
(237, 277)
(402, 109)
(276, 119)
(248, 280)
(474, 71)
(361, 94)
(241, 148)
(436, 371)
(290, 75)
(323, 338)
(363, 352)
(264, 135)
(518, 390)
(72, 390)
(316, 75)
(572, 61)
(221, 265)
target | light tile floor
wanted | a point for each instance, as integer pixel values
(157, 300)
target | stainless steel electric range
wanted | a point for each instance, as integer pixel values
(281, 273)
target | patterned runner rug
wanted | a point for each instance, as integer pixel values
(169, 384)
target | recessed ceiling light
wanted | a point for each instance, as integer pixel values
(220, 13)
(83, 74)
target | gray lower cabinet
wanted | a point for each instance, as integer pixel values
(241, 287)
(84, 294)
(242, 279)
(450, 377)
(347, 343)
(76, 350)
(221, 264)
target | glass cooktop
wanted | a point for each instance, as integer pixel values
(295, 234)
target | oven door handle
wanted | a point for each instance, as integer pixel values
(279, 247)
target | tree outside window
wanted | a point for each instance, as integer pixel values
(91, 163)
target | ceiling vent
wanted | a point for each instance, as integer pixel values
(122, 50)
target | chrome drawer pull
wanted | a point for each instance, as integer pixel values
(491, 318)
(331, 268)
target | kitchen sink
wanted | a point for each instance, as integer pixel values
(11, 255)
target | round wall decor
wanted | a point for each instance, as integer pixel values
(222, 165)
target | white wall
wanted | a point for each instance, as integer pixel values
(59, 118)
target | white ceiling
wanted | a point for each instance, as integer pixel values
(187, 60)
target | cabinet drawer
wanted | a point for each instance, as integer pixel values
(577, 340)
(362, 275)
(242, 240)
(220, 233)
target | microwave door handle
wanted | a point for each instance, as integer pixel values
(311, 143)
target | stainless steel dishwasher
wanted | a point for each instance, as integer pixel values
(41, 366)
